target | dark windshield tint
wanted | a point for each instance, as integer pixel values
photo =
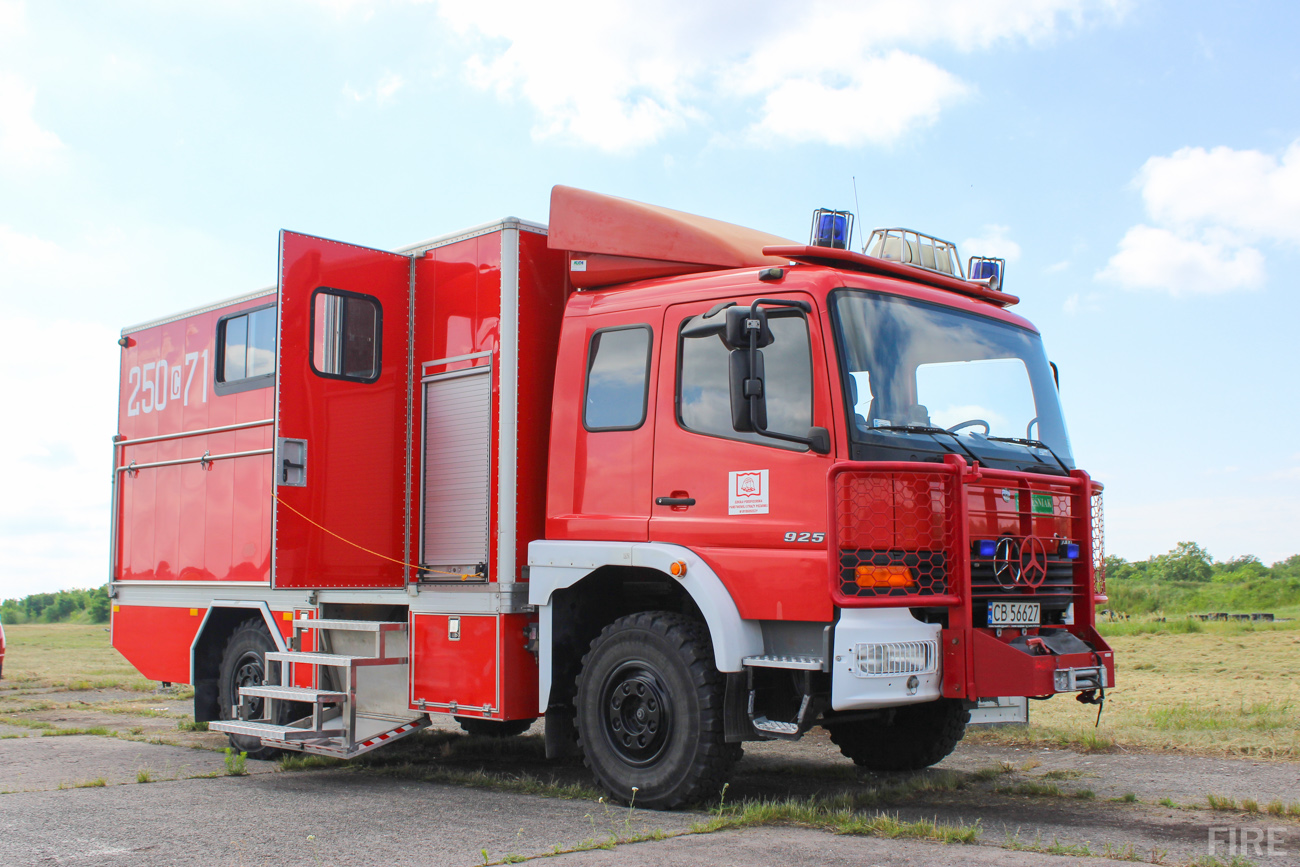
(913, 363)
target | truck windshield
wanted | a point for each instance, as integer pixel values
(923, 378)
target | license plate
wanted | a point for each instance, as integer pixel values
(1013, 614)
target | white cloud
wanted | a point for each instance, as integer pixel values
(1057, 267)
(815, 109)
(1151, 258)
(1212, 209)
(23, 142)
(993, 242)
(1247, 192)
(383, 93)
(605, 74)
(12, 14)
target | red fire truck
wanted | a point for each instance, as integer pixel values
(671, 483)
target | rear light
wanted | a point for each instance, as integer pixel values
(868, 575)
(895, 657)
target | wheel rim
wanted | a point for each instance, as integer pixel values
(636, 715)
(248, 672)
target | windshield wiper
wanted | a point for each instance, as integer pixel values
(927, 429)
(1038, 444)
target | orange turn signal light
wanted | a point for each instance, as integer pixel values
(884, 576)
(678, 568)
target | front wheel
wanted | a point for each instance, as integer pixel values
(650, 711)
(917, 736)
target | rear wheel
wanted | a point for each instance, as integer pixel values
(915, 737)
(495, 728)
(243, 663)
(650, 707)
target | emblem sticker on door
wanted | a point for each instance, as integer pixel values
(747, 492)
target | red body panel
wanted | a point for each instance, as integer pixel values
(191, 521)
(492, 669)
(157, 640)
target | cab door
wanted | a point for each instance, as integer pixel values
(343, 417)
(754, 508)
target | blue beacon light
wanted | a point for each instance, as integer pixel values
(831, 228)
(986, 547)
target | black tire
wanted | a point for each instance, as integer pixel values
(243, 663)
(918, 735)
(495, 728)
(650, 711)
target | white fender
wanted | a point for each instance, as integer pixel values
(262, 608)
(554, 565)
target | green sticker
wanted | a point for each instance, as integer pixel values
(1039, 504)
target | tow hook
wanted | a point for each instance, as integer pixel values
(1088, 696)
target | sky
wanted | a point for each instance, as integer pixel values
(1137, 162)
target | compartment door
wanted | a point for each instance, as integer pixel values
(343, 417)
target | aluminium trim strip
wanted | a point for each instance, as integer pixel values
(207, 308)
(505, 223)
(454, 358)
(508, 410)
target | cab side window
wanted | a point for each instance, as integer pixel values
(246, 351)
(618, 378)
(704, 395)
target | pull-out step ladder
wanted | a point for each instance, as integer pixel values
(366, 706)
(805, 716)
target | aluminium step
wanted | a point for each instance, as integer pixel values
(294, 693)
(267, 731)
(803, 663)
(337, 660)
(777, 728)
(350, 625)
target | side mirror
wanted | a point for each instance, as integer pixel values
(742, 320)
(745, 383)
(819, 440)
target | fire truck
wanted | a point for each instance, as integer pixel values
(670, 483)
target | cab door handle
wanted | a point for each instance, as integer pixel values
(674, 501)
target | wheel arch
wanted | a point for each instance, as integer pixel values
(223, 617)
(560, 571)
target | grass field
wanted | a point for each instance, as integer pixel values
(66, 655)
(1207, 688)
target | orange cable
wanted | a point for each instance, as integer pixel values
(368, 551)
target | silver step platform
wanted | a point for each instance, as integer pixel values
(803, 663)
(360, 700)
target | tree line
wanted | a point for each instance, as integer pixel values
(1187, 579)
(64, 606)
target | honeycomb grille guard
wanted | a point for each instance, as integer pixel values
(930, 518)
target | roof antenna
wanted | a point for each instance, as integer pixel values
(856, 207)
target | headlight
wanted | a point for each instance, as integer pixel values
(897, 657)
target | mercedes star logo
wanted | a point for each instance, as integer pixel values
(1033, 562)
